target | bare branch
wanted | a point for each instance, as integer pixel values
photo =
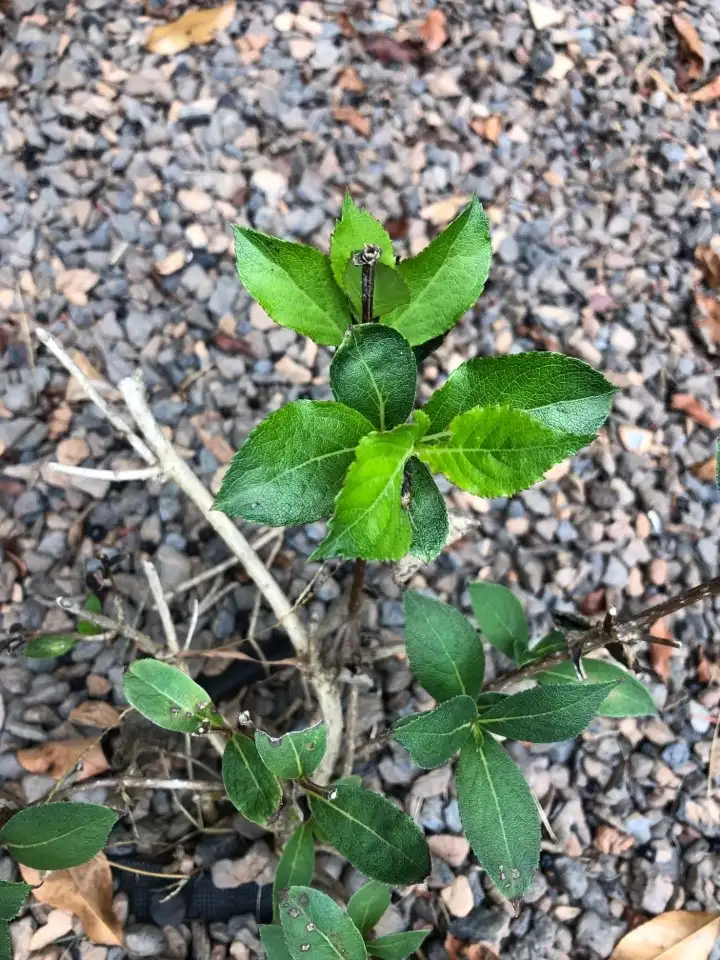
(146, 643)
(161, 603)
(116, 476)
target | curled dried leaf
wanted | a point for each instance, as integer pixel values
(677, 935)
(193, 27)
(58, 758)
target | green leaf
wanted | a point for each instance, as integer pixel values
(378, 839)
(167, 696)
(50, 645)
(273, 941)
(630, 698)
(250, 786)
(294, 755)
(352, 780)
(397, 946)
(564, 393)
(546, 714)
(291, 467)
(56, 836)
(354, 230)
(389, 289)
(433, 737)
(12, 897)
(496, 451)
(293, 283)
(553, 642)
(296, 865)
(368, 904)
(489, 699)
(501, 618)
(374, 372)
(5, 941)
(315, 926)
(426, 512)
(93, 604)
(498, 815)
(369, 520)
(445, 278)
(443, 648)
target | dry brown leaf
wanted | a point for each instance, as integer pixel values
(388, 50)
(353, 117)
(75, 285)
(709, 319)
(350, 79)
(691, 49)
(434, 30)
(706, 470)
(85, 891)
(449, 848)
(609, 840)
(58, 924)
(195, 26)
(690, 405)
(707, 93)
(58, 757)
(709, 260)
(95, 713)
(659, 654)
(677, 935)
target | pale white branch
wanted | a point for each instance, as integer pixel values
(116, 476)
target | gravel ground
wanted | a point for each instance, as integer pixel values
(122, 172)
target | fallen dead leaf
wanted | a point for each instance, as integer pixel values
(387, 50)
(444, 211)
(350, 79)
(354, 118)
(434, 30)
(460, 950)
(58, 924)
(660, 655)
(458, 897)
(709, 260)
(57, 757)
(690, 405)
(95, 713)
(75, 285)
(677, 935)
(706, 470)
(449, 848)
(691, 65)
(612, 841)
(193, 27)
(85, 891)
(707, 93)
(709, 316)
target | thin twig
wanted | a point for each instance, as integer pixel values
(117, 476)
(194, 615)
(351, 718)
(356, 592)
(146, 643)
(255, 613)
(161, 605)
(221, 654)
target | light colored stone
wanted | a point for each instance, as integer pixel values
(544, 16)
(292, 370)
(196, 201)
(272, 183)
(301, 48)
(259, 319)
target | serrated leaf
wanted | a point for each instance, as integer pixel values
(55, 836)
(501, 618)
(443, 648)
(315, 926)
(294, 755)
(489, 699)
(498, 815)
(374, 371)
(426, 512)
(291, 467)
(630, 698)
(389, 289)
(368, 830)
(397, 946)
(546, 714)
(297, 863)
(294, 285)
(50, 645)
(431, 738)
(369, 520)
(354, 230)
(93, 604)
(273, 941)
(564, 393)
(12, 897)
(251, 787)
(446, 278)
(167, 696)
(496, 451)
(367, 905)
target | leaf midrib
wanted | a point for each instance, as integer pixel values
(44, 843)
(491, 785)
(537, 716)
(445, 649)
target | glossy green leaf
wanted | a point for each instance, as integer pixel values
(446, 278)
(389, 289)
(499, 815)
(251, 787)
(297, 863)
(273, 941)
(93, 604)
(167, 696)
(553, 642)
(294, 755)
(546, 714)
(489, 699)
(378, 839)
(50, 645)
(374, 371)
(426, 512)
(291, 467)
(369, 520)
(496, 451)
(5, 941)
(397, 946)
(368, 904)
(630, 698)
(294, 285)
(564, 393)
(433, 737)
(443, 648)
(315, 926)
(56, 836)
(354, 230)
(501, 618)
(12, 897)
